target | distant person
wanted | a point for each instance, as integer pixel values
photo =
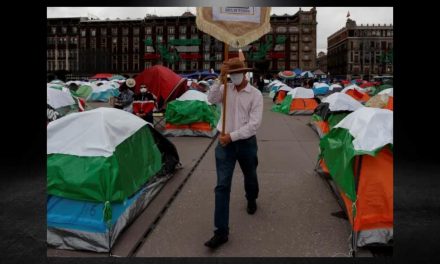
(144, 96)
(126, 96)
(260, 83)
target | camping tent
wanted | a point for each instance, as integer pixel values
(281, 93)
(165, 84)
(358, 155)
(191, 115)
(331, 110)
(103, 90)
(102, 168)
(61, 102)
(356, 92)
(298, 101)
(320, 88)
(383, 99)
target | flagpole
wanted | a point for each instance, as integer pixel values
(225, 86)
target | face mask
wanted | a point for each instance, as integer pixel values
(143, 90)
(237, 78)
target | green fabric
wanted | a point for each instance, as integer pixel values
(83, 91)
(280, 39)
(191, 111)
(166, 55)
(338, 153)
(185, 42)
(148, 42)
(334, 119)
(381, 88)
(316, 118)
(284, 107)
(101, 179)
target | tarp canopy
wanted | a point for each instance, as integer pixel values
(333, 86)
(165, 84)
(388, 92)
(101, 76)
(301, 92)
(202, 75)
(192, 107)
(318, 72)
(342, 102)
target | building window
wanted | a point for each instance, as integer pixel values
(356, 59)
(193, 30)
(147, 64)
(93, 32)
(171, 30)
(159, 39)
(218, 56)
(114, 31)
(206, 66)
(306, 29)
(293, 56)
(148, 31)
(182, 29)
(54, 30)
(194, 65)
(136, 31)
(182, 36)
(294, 38)
(217, 66)
(63, 30)
(114, 40)
(170, 37)
(159, 30)
(281, 64)
(306, 48)
(306, 57)
(103, 31)
(206, 47)
(194, 36)
(206, 56)
(293, 47)
(206, 39)
(83, 32)
(281, 29)
(74, 30)
(182, 65)
(293, 29)
(125, 31)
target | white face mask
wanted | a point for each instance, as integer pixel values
(237, 78)
(143, 90)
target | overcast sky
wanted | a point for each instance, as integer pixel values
(330, 19)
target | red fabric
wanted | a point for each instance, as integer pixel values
(143, 106)
(162, 82)
(102, 76)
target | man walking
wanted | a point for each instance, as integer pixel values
(244, 111)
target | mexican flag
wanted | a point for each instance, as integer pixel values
(103, 155)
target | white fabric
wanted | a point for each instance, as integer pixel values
(243, 14)
(276, 82)
(285, 88)
(104, 87)
(371, 128)
(342, 102)
(58, 99)
(194, 95)
(319, 85)
(92, 133)
(352, 87)
(388, 92)
(301, 92)
(334, 86)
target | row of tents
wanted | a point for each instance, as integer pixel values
(355, 126)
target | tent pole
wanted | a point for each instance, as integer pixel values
(225, 86)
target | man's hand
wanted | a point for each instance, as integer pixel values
(225, 139)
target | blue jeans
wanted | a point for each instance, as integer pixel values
(245, 152)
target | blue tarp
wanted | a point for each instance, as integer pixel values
(297, 71)
(321, 90)
(82, 215)
(197, 74)
(103, 96)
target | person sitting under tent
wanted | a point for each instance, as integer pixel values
(125, 98)
(144, 96)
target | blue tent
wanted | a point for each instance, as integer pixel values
(297, 71)
(198, 74)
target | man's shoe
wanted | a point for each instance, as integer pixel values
(216, 241)
(251, 207)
